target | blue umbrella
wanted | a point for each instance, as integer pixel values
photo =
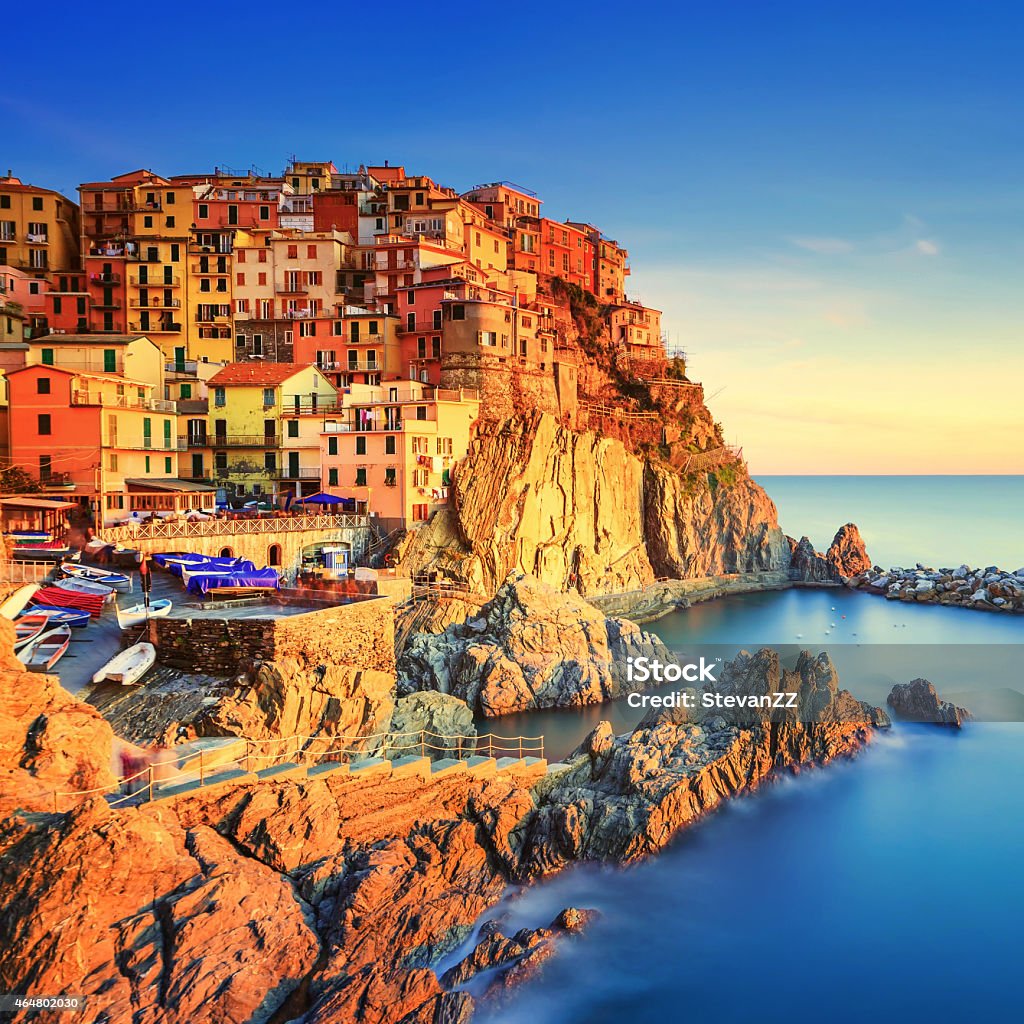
(319, 499)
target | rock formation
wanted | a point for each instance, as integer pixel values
(332, 898)
(585, 511)
(846, 556)
(918, 701)
(529, 647)
(990, 589)
(444, 720)
(48, 740)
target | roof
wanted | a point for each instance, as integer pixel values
(256, 373)
(89, 339)
(37, 504)
(167, 483)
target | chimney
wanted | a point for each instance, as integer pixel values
(386, 164)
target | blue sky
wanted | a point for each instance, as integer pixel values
(826, 203)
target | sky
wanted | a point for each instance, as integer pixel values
(827, 204)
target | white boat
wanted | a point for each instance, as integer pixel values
(92, 574)
(136, 615)
(84, 587)
(46, 650)
(129, 666)
(17, 601)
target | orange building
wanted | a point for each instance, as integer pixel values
(567, 252)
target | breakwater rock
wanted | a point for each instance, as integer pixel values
(918, 701)
(991, 589)
(529, 647)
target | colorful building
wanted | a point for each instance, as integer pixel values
(254, 450)
(38, 229)
(392, 447)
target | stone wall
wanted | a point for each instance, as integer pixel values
(361, 634)
(505, 386)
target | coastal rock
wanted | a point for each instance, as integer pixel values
(529, 647)
(446, 721)
(49, 740)
(918, 701)
(846, 557)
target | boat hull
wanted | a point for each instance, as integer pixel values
(46, 650)
(73, 617)
(128, 618)
(17, 601)
(128, 667)
(89, 574)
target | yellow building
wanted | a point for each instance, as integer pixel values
(255, 451)
(392, 448)
(38, 229)
(134, 356)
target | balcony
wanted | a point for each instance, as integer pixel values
(154, 303)
(168, 328)
(186, 441)
(301, 473)
(81, 397)
(368, 365)
(310, 408)
(145, 282)
(243, 440)
(7, 235)
(106, 304)
(104, 278)
(144, 257)
(37, 239)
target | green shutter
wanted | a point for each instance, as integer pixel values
(167, 433)
(47, 357)
(147, 433)
(109, 360)
(167, 464)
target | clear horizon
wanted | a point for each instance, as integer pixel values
(826, 204)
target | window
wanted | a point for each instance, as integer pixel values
(56, 305)
(488, 338)
(47, 356)
(5, 202)
(170, 222)
(310, 252)
(257, 344)
(458, 312)
(167, 464)
(332, 478)
(293, 252)
(332, 446)
(389, 444)
(361, 476)
(170, 198)
(219, 397)
(175, 252)
(437, 320)
(109, 360)
(44, 423)
(264, 213)
(390, 476)
(263, 257)
(410, 324)
(240, 279)
(37, 202)
(270, 461)
(42, 385)
(293, 428)
(268, 397)
(360, 446)
(186, 390)
(420, 513)
(147, 463)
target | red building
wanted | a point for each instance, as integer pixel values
(566, 252)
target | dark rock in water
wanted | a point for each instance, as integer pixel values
(918, 701)
(846, 557)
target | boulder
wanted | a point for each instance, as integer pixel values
(845, 558)
(445, 722)
(529, 647)
(918, 701)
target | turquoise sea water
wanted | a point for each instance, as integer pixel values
(887, 887)
(936, 520)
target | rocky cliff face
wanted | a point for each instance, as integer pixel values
(581, 511)
(918, 701)
(529, 647)
(332, 899)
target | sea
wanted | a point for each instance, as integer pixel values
(886, 887)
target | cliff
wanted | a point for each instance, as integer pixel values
(582, 511)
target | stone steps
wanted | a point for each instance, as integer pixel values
(232, 776)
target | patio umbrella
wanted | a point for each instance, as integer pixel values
(319, 499)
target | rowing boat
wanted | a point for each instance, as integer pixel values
(27, 628)
(46, 650)
(137, 614)
(129, 666)
(77, 586)
(91, 574)
(17, 601)
(74, 617)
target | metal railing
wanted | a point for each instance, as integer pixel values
(25, 572)
(210, 769)
(122, 402)
(168, 530)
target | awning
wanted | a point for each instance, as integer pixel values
(167, 484)
(37, 504)
(318, 499)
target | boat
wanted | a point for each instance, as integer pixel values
(77, 586)
(137, 614)
(27, 628)
(74, 617)
(117, 580)
(17, 601)
(46, 650)
(129, 666)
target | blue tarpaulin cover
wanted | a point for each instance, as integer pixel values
(200, 584)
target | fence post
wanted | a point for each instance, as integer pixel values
(423, 743)
(150, 787)
(202, 777)
(520, 747)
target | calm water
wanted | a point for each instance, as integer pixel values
(937, 520)
(887, 887)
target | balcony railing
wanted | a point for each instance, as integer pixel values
(105, 278)
(186, 441)
(106, 304)
(122, 402)
(243, 440)
(301, 473)
(163, 530)
(154, 303)
(37, 239)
